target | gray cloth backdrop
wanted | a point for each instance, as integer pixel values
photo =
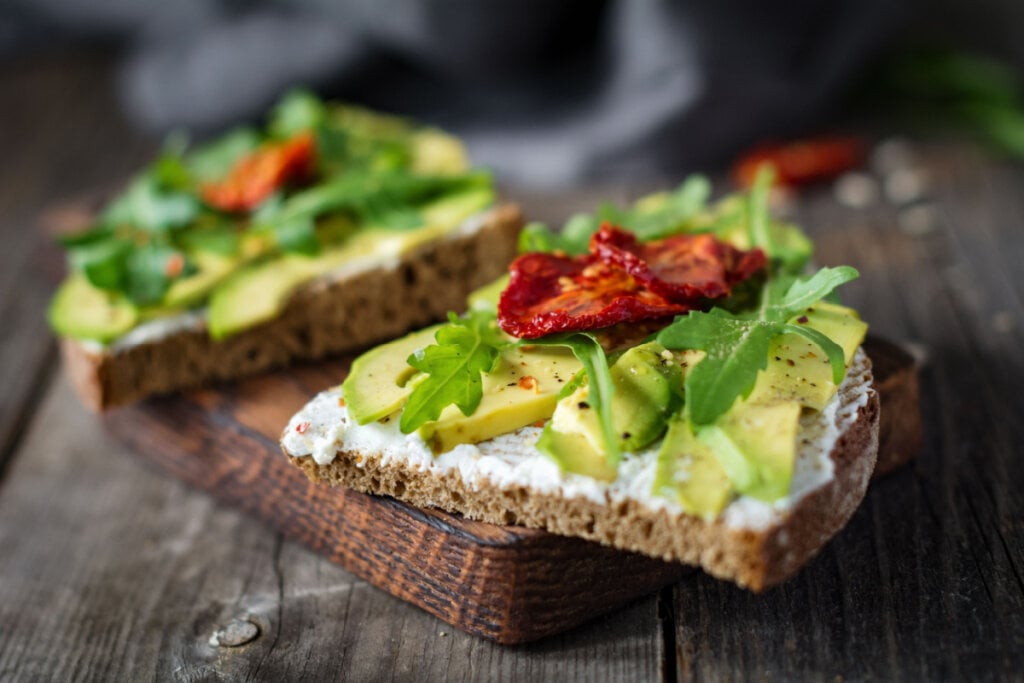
(546, 92)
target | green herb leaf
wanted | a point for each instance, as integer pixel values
(675, 214)
(573, 239)
(465, 348)
(149, 208)
(737, 344)
(799, 293)
(588, 351)
(296, 235)
(218, 238)
(736, 351)
(758, 215)
(147, 273)
(650, 219)
(102, 262)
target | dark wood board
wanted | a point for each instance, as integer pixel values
(510, 584)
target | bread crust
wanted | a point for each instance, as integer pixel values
(324, 317)
(752, 557)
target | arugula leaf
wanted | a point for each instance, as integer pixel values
(573, 239)
(148, 275)
(102, 261)
(588, 351)
(758, 215)
(737, 344)
(465, 348)
(217, 238)
(651, 218)
(150, 208)
(674, 215)
(296, 235)
(371, 197)
(789, 296)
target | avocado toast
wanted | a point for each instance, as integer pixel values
(328, 229)
(665, 379)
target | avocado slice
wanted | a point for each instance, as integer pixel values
(486, 298)
(82, 311)
(212, 269)
(258, 293)
(689, 472)
(522, 390)
(647, 382)
(753, 445)
(381, 380)
(797, 369)
(574, 453)
(434, 152)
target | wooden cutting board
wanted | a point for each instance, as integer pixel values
(510, 584)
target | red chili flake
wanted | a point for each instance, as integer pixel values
(802, 319)
(174, 266)
(528, 383)
(341, 402)
(620, 281)
(539, 423)
(803, 161)
(256, 176)
(302, 427)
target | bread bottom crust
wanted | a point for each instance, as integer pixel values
(753, 558)
(322, 318)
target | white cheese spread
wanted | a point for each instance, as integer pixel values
(323, 428)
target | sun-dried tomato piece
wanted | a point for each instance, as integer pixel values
(551, 293)
(801, 162)
(256, 176)
(620, 281)
(681, 268)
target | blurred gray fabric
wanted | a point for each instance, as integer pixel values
(546, 92)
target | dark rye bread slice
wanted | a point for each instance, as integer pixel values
(328, 316)
(755, 556)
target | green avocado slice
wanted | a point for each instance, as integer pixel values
(381, 380)
(258, 293)
(81, 311)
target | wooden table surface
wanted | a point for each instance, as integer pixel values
(111, 570)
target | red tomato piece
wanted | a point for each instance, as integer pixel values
(551, 293)
(620, 281)
(802, 162)
(681, 268)
(256, 176)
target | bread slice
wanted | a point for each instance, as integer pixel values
(507, 481)
(331, 315)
